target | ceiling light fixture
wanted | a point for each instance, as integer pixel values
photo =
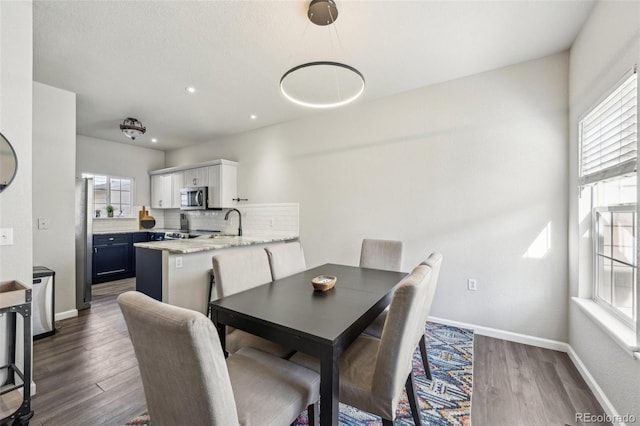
(190, 89)
(322, 84)
(253, 116)
(132, 128)
(154, 140)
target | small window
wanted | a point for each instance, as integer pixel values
(608, 168)
(114, 191)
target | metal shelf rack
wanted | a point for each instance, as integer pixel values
(15, 391)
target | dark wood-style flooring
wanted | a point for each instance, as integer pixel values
(87, 374)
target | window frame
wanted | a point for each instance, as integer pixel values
(623, 167)
(108, 200)
(610, 306)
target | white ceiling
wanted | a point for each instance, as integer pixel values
(135, 58)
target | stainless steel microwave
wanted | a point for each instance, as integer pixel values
(194, 198)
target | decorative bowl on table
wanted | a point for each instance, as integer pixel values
(323, 282)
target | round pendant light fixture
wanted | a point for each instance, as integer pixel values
(132, 128)
(322, 84)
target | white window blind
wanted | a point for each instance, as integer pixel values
(609, 135)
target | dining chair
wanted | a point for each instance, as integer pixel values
(434, 261)
(186, 379)
(238, 271)
(286, 259)
(381, 254)
(373, 371)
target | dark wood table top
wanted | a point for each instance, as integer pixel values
(291, 303)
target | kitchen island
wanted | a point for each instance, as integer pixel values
(178, 271)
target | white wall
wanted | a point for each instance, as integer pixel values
(16, 47)
(54, 165)
(118, 159)
(474, 168)
(607, 47)
(16, 51)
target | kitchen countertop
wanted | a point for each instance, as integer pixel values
(206, 243)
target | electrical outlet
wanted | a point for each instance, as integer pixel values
(178, 262)
(43, 223)
(472, 284)
(6, 237)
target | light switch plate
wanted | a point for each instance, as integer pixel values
(6, 236)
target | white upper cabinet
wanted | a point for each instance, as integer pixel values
(196, 177)
(177, 183)
(220, 176)
(161, 192)
(223, 185)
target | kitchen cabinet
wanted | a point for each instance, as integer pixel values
(136, 237)
(161, 191)
(220, 176)
(111, 257)
(165, 190)
(223, 185)
(177, 183)
(198, 176)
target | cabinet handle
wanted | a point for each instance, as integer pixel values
(95, 250)
(111, 239)
(115, 271)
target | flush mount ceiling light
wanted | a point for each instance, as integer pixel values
(322, 84)
(132, 128)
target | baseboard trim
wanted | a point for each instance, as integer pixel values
(555, 345)
(593, 385)
(507, 335)
(66, 314)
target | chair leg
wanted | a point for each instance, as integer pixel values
(386, 422)
(425, 359)
(212, 282)
(313, 413)
(410, 387)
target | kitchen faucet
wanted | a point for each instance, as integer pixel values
(226, 217)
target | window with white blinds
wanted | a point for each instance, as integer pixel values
(608, 135)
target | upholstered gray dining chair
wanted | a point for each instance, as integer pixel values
(434, 261)
(381, 254)
(238, 271)
(286, 259)
(373, 371)
(187, 381)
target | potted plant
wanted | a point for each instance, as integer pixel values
(110, 210)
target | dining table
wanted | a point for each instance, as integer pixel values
(320, 323)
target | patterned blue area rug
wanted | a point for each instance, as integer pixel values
(445, 400)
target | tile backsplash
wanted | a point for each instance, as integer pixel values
(257, 219)
(126, 224)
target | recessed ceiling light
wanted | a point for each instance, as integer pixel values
(190, 89)
(253, 116)
(154, 140)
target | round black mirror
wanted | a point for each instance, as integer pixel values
(8, 163)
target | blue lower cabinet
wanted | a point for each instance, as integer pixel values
(112, 257)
